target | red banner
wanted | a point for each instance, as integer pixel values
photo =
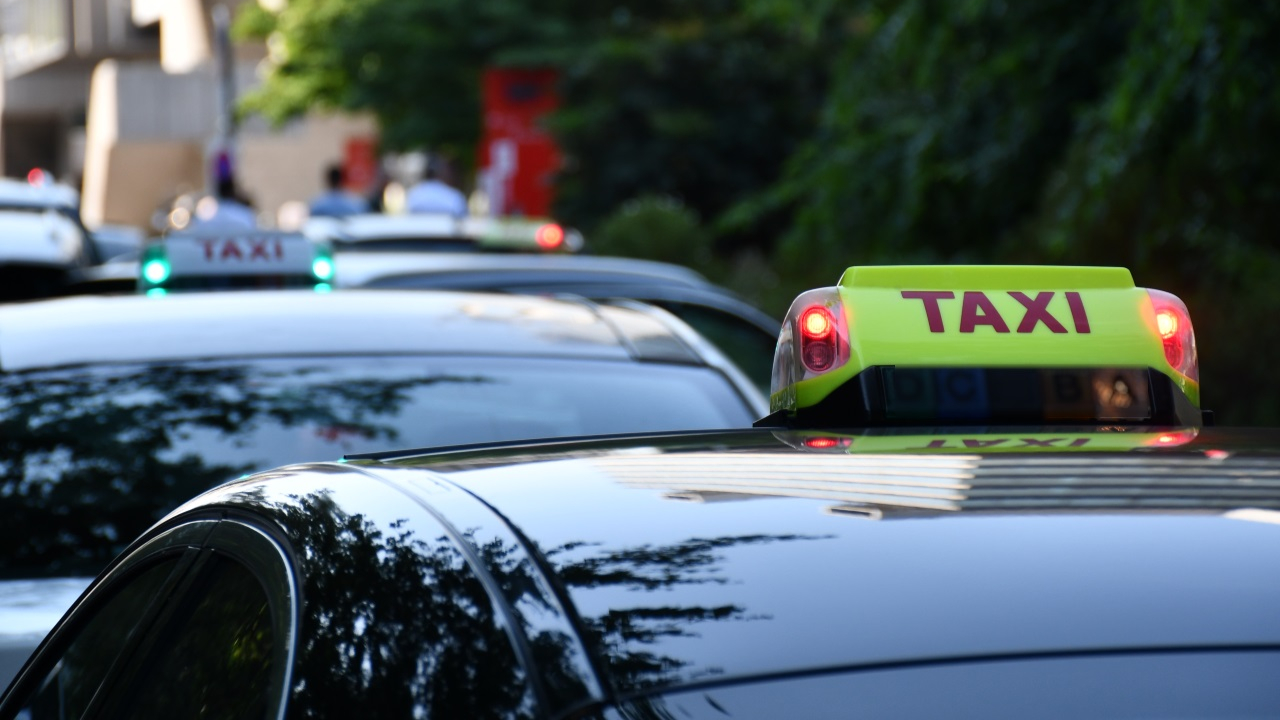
(518, 159)
(360, 164)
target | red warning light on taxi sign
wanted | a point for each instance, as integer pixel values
(549, 236)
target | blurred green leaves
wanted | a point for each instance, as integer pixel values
(702, 106)
(414, 64)
(654, 228)
(1138, 134)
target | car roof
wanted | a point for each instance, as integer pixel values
(193, 326)
(762, 558)
(41, 238)
(373, 226)
(360, 268)
(465, 270)
(22, 193)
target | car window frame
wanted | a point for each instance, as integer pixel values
(267, 559)
(195, 542)
(264, 552)
(184, 541)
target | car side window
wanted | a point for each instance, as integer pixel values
(745, 344)
(214, 659)
(75, 677)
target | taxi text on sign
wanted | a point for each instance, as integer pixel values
(263, 253)
(233, 249)
(1001, 316)
(977, 309)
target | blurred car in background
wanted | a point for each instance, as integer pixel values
(375, 232)
(114, 240)
(113, 410)
(43, 244)
(534, 256)
(444, 260)
(743, 332)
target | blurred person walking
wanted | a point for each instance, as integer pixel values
(434, 195)
(335, 201)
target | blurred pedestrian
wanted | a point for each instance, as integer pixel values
(377, 189)
(225, 208)
(335, 201)
(434, 195)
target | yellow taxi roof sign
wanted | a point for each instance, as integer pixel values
(981, 318)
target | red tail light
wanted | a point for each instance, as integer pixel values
(549, 236)
(816, 323)
(817, 339)
(821, 443)
(1173, 439)
(1173, 326)
(1167, 326)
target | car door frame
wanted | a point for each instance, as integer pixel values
(195, 541)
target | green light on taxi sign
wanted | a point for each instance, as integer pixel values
(156, 271)
(322, 268)
(155, 265)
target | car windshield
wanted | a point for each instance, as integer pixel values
(95, 455)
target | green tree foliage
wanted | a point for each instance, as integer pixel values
(701, 100)
(1136, 134)
(934, 109)
(656, 228)
(415, 64)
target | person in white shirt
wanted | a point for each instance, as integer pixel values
(335, 201)
(224, 208)
(433, 195)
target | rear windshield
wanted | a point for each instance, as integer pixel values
(93, 456)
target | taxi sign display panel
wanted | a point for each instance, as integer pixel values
(230, 259)
(994, 316)
(239, 254)
(1062, 394)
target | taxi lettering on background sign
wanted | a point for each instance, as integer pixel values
(242, 249)
(977, 309)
